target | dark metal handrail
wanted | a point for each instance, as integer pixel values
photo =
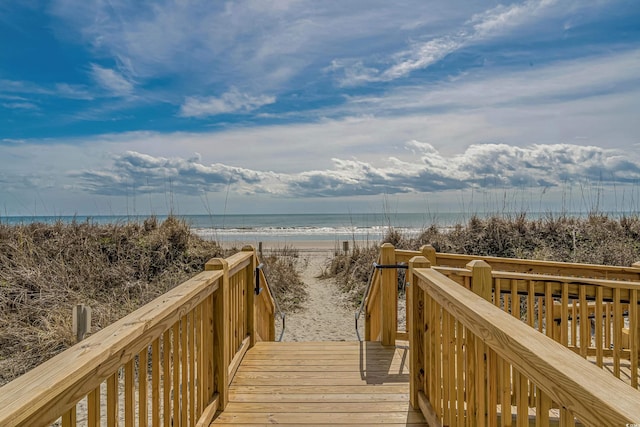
(258, 290)
(375, 267)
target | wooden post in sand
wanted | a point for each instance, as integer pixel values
(81, 321)
(345, 247)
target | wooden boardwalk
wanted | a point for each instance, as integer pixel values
(321, 383)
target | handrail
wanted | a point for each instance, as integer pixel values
(258, 290)
(596, 271)
(522, 356)
(364, 297)
(375, 267)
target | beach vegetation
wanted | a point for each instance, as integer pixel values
(594, 239)
(46, 269)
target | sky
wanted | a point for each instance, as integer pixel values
(112, 107)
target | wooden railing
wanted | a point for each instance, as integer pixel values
(168, 363)
(572, 303)
(474, 364)
(596, 318)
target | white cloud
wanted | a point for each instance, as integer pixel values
(230, 102)
(482, 166)
(20, 106)
(502, 18)
(112, 81)
(490, 23)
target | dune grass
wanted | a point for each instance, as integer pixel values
(596, 239)
(46, 269)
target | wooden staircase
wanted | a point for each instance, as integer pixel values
(316, 383)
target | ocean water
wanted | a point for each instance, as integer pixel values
(281, 227)
(292, 227)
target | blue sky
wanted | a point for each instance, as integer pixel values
(114, 106)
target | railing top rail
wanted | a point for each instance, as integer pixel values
(614, 272)
(70, 375)
(540, 263)
(587, 391)
(623, 284)
(269, 296)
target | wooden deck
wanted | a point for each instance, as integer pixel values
(336, 383)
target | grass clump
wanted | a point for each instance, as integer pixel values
(283, 269)
(46, 269)
(352, 270)
(596, 239)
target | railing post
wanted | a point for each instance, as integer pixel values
(417, 328)
(221, 340)
(481, 278)
(429, 253)
(389, 294)
(248, 290)
(481, 283)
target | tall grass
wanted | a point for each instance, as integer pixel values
(283, 275)
(46, 269)
(596, 239)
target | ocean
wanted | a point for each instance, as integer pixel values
(292, 227)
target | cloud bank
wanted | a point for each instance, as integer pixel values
(482, 166)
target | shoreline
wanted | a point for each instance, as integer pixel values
(303, 246)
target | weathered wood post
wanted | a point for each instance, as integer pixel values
(389, 293)
(345, 247)
(249, 290)
(416, 321)
(221, 341)
(81, 321)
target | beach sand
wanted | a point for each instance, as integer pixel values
(326, 315)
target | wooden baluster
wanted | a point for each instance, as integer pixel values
(176, 372)
(93, 408)
(69, 419)
(143, 358)
(633, 336)
(155, 382)
(585, 326)
(129, 393)
(112, 399)
(389, 294)
(192, 369)
(460, 391)
(599, 326)
(617, 331)
(184, 371)
(564, 315)
(166, 378)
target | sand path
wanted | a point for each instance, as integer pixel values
(324, 316)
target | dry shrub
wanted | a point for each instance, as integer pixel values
(352, 270)
(282, 269)
(46, 269)
(596, 239)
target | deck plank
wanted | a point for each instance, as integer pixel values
(342, 383)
